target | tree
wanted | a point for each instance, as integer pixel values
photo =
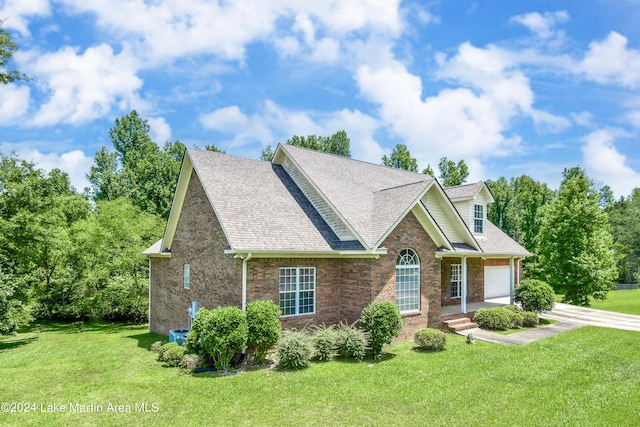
(338, 143)
(451, 173)
(400, 158)
(625, 229)
(7, 47)
(575, 243)
(138, 169)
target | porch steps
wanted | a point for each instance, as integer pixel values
(460, 324)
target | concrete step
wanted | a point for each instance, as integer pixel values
(461, 324)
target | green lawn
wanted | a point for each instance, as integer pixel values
(589, 376)
(624, 301)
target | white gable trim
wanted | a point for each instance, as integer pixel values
(470, 238)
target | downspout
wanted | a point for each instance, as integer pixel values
(463, 302)
(149, 308)
(511, 280)
(245, 260)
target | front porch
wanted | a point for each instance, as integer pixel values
(453, 310)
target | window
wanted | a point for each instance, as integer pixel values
(478, 219)
(408, 281)
(187, 276)
(297, 290)
(456, 280)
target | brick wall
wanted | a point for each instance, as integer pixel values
(215, 277)
(475, 280)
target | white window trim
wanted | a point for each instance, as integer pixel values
(483, 219)
(407, 267)
(186, 276)
(459, 281)
(297, 291)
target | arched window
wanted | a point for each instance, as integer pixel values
(408, 281)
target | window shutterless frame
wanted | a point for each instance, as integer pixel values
(297, 291)
(187, 276)
(408, 281)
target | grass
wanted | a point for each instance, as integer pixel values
(623, 301)
(589, 376)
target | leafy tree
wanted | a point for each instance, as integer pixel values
(338, 143)
(575, 243)
(452, 173)
(625, 229)
(500, 212)
(7, 48)
(138, 169)
(429, 171)
(211, 147)
(400, 158)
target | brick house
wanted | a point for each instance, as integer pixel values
(323, 236)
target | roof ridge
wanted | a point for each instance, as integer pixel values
(219, 153)
(427, 180)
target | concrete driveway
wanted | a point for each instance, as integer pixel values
(591, 316)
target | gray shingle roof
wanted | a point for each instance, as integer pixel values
(464, 191)
(369, 197)
(259, 206)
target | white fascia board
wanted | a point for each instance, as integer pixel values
(178, 200)
(441, 239)
(278, 154)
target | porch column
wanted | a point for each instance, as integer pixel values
(463, 300)
(511, 280)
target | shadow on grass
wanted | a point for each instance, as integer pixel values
(78, 327)
(10, 344)
(145, 339)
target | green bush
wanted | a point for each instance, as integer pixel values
(264, 328)
(172, 354)
(515, 317)
(382, 321)
(218, 334)
(351, 342)
(494, 318)
(122, 302)
(324, 342)
(534, 295)
(191, 362)
(294, 350)
(430, 339)
(155, 347)
(512, 308)
(530, 319)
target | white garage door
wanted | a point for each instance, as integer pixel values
(496, 282)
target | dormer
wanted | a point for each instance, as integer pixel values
(471, 201)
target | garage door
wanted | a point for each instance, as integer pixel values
(496, 282)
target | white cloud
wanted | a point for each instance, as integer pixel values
(82, 86)
(14, 103)
(160, 130)
(611, 61)
(14, 13)
(542, 24)
(75, 163)
(606, 164)
(272, 124)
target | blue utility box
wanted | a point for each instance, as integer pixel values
(178, 335)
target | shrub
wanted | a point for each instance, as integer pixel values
(382, 320)
(430, 339)
(515, 317)
(534, 295)
(492, 318)
(324, 342)
(218, 334)
(264, 328)
(512, 308)
(191, 362)
(155, 347)
(530, 319)
(172, 354)
(351, 342)
(294, 350)
(121, 301)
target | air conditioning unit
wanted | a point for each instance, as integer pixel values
(178, 335)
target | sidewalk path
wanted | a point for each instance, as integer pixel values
(569, 317)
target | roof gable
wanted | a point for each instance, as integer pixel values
(471, 191)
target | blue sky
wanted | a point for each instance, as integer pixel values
(526, 87)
